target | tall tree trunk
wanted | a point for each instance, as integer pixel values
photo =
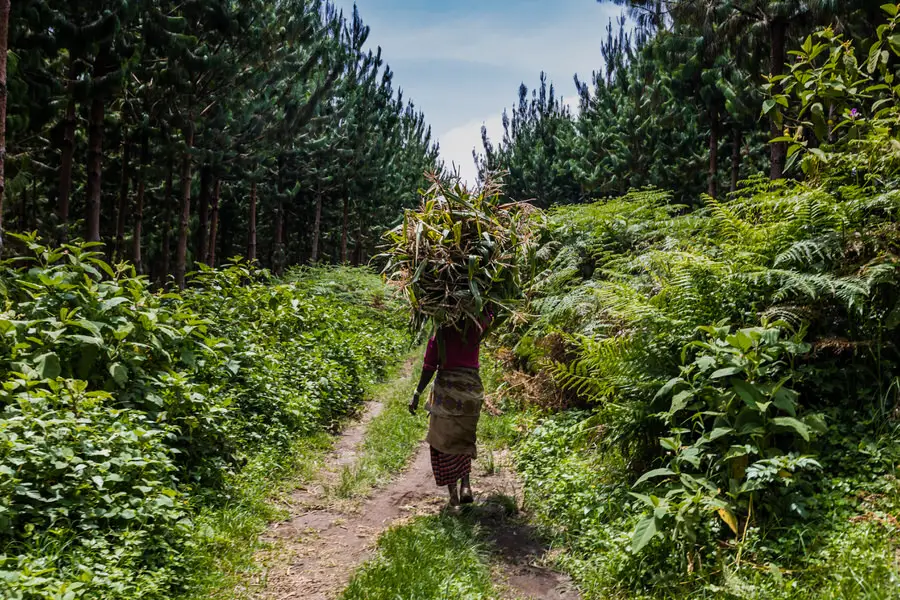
(736, 140)
(713, 188)
(251, 243)
(358, 251)
(22, 225)
(214, 224)
(4, 46)
(344, 227)
(226, 229)
(123, 200)
(203, 213)
(139, 201)
(67, 153)
(314, 255)
(167, 223)
(278, 244)
(95, 151)
(185, 218)
(778, 33)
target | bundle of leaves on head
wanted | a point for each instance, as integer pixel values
(458, 253)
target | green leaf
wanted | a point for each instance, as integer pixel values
(119, 373)
(794, 424)
(786, 400)
(726, 372)
(47, 366)
(719, 432)
(667, 389)
(680, 400)
(652, 474)
(747, 392)
(112, 303)
(740, 340)
(643, 534)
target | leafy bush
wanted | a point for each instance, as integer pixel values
(735, 434)
(766, 450)
(124, 412)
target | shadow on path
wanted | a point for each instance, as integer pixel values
(518, 549)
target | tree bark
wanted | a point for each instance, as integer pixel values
(4, 47)
(314, 255)
(139, 201)
(713, 188)
(95, 151)
(251, 243)
(185, 219)
(278, 244)
(358, 250)
(203, 212)
(67, 153)
(214, 224)
(778, 33)
(167, 223)
(123, 200)
(737, 138)
(346, 224)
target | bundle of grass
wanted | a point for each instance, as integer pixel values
(459, 253)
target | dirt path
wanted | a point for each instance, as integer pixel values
(317, 549)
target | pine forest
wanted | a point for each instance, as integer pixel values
(227, 234)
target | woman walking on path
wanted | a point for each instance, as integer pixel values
(454, 406)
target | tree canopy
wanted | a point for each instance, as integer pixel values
(186, 133)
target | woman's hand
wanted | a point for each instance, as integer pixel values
(414, 404)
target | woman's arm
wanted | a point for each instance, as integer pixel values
(424, 380)
(429, 366)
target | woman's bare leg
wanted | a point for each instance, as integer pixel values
(454, 494)
(465, 491)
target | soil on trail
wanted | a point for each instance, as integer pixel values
(315, 552)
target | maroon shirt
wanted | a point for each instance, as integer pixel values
(461, 348)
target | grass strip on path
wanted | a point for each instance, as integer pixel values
(429, 558)
(231, 532)
(391, 438)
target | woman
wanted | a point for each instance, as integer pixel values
(454, 406)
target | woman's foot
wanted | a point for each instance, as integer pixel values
(465, 491)
(454, 494)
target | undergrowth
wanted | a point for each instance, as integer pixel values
(730, 375)
(136, 426)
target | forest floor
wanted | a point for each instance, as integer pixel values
(335, 520)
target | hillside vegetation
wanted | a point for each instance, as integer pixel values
(731, 371)
(140, 431)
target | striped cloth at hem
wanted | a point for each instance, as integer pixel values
(449, 468)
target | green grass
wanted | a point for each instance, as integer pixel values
(436, 557)
(230, 531)
(391, 438)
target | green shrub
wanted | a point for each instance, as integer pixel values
(763, 453)
(125, 412)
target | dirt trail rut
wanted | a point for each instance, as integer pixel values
(317, 549)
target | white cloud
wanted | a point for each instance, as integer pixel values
(564, 46)
(443, 60)
(457, 144)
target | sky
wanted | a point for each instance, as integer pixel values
(461, 61)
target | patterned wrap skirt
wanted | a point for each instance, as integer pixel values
(454, 409)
